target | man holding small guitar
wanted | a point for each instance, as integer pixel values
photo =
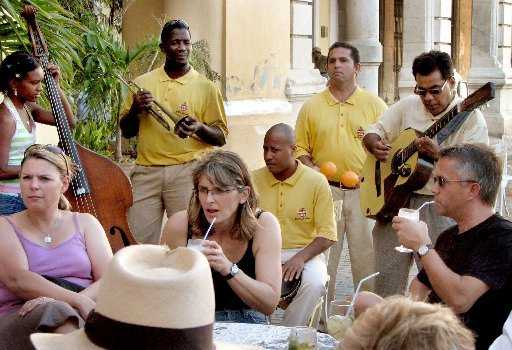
(426, 112)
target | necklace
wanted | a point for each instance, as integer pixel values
(47, 237)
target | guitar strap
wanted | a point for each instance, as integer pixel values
(452, 126)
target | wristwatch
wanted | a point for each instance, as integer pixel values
(423, 250)
(232, 272)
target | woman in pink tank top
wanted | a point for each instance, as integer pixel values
(47, 254)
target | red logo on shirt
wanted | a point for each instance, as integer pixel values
(302, 214)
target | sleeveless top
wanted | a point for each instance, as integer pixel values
(68, 260)
(21, 140)
(225, 297)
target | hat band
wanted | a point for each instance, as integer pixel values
(111, 334)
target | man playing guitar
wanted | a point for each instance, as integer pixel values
(434, 95)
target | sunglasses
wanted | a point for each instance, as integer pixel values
(442, 181)
(50, 148)
(433, 91)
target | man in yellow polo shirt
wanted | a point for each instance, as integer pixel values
(330, 127)
(162, 177)
(301, 200)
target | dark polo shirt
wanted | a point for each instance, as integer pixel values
(483, 252)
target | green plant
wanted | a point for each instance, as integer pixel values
(96, 135)
(58, 26)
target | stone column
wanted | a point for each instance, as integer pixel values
(427, 26)
(490, 60)
(361, 29)
(303, 80)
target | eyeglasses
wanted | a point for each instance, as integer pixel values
(433, 91)
(50, 148)
(442, 181)
(217, 192)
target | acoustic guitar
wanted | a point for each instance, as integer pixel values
(387, 186)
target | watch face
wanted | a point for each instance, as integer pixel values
(234, 269)
(423, 250)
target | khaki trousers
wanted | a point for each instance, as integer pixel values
(155, 189)
(312, 288)
(394, 266)
(357, 228)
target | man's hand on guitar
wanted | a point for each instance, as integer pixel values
(376, 146)
(411, 234)
(427, 147)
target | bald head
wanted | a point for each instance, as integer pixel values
(284, 131)
(278, 148)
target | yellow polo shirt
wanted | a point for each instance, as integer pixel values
(191, 94)
(329, 130)
(302, 204)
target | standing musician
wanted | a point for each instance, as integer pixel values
(21, 79)
(329, 128)
(162, 177)
(434, 95)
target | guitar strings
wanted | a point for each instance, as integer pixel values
(84, 202)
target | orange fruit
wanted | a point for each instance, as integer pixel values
(328, 169)
(349, 179)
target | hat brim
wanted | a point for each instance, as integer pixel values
(78, 340)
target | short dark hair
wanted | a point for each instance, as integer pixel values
(16, 66)
(170, 26)
(354, 52)
(477, 162)
(429, 62)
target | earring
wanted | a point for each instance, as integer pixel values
(15, 92)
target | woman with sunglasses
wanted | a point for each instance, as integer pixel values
(243, 247)
(20, 83)
(50, 258)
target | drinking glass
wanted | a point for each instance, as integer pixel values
(196, 244)
(302, 338)
(411, 214)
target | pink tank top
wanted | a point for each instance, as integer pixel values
(68, 260)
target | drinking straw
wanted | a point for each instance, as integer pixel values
(351, 306)
(209, 228)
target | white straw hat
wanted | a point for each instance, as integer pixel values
(150, 297)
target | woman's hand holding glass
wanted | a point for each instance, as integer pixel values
(215, 255)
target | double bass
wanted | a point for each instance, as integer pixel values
(100, 187)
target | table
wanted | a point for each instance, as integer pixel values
(266, 336)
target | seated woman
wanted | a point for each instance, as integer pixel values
(21, 84)
(47, 242)
(243, 248)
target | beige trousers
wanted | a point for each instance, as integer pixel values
(157, 189)
(312, 288)
(357, 228)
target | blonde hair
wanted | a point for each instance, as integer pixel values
(401, 323)
(55, 156)
(224, 169)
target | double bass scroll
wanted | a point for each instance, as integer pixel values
(100, 187)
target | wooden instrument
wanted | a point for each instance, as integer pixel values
(100, 187)
(387, 186)
(289, 290)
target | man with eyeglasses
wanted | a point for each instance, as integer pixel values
(301, 200)
(434, 95)
(470, 267)
(162, 177)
